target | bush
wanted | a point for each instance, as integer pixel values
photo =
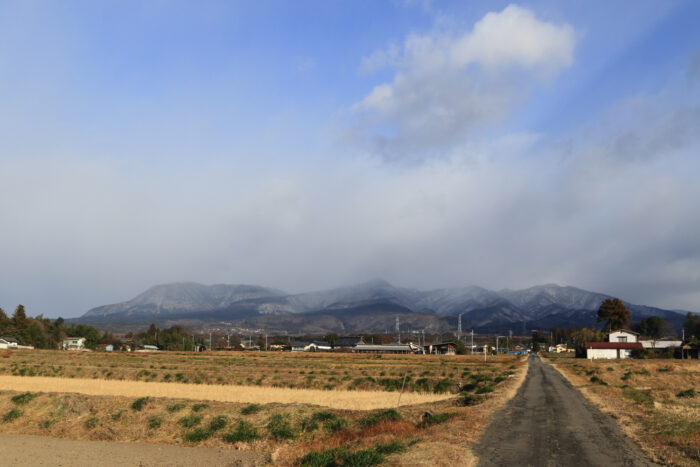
(687, 393)
(373, 419)
(188, 421)
(279, 428)
(197, 435)
(140, 403)
(13, 414)
(466, 399)
(595, 379)
(24, 398)
(335, 424)
(244, 432)
(117, 415)
(251, 409)
(175, 408)
(218, 423)
(198, 407)
(484, 390)
(341, 456)
(363, 458)
(155, 422)
(329, 458)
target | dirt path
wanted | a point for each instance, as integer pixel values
(18, 450)
(549, 423)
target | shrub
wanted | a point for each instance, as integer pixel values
(467, 399)
(117, 415)
(155, 421)
(243, 432)
(373, 419)
(335, 424)
(279, 428)
(251, 409)
(484, 390)
(175, 408)
(13, 414)
(329, 458)
(140, 403)
(188, 421)
(218, 423)
(24, 398)
(390, 448)
(91, 423)
(363, 458)
(595, 379)
(197, 435)
(198, 407)
(687, 393)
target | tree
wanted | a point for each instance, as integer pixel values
(652, 327)
(19, 318)
(614, 313)
(691, 326)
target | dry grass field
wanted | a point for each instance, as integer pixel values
(291, 426)
(657, 402)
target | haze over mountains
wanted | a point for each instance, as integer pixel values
(368, 307)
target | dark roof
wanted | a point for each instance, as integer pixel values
(9, 339)
(347, 341)
(614, 345)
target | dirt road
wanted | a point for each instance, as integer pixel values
(549, 423)
(20, 450)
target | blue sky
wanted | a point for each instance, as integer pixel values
(304, 145)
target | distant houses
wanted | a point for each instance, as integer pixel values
(388, 349)
(73, 343)
(623, 342)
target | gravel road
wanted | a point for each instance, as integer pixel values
(31, 450)
(549, 423)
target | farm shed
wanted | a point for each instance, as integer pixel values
(443, 348)
(611, 350)
(390, 348)
(8, 343)
(73, 343)
(346, 344)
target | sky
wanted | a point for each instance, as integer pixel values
(313, 144)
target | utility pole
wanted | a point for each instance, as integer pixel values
(265, 342)
(211, 347)
(398, 329)
(472, 341)
(459, 327)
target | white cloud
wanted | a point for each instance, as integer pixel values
(447, 85)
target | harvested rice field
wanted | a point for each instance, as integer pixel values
(289, 420)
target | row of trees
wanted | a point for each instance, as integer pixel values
(44, 333)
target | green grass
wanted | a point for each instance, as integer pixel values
(13, 414)
(341, 456)
(155, 422)
(197, 435)
(251, 409)
(436, 419)
(638, 396)
(139, 403)
(199, 407)
(484, 389)
(373, 419)
(24, 398)
(117, 415)
(279, 428)
(218, 423)
(243, 432)
(91, 423)
(175, 408)
(687, 393)
(188, 421)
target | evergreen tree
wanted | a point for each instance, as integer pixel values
(614, 313)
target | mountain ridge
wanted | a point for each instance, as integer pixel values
(254, 306)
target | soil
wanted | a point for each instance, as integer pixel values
(34, 450)
(549, 423)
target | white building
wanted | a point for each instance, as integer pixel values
(620, 344)
(73, 343)
(665, 343)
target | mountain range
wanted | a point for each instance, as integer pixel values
(369, 307)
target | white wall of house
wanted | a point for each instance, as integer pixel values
(593, 354)
(622, 336)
